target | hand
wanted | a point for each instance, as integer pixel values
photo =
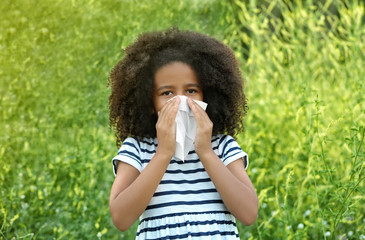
(204, 129)
(165, 128)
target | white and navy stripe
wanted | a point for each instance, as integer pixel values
(186, 203)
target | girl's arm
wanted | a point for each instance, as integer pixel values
(132, 191)
(232, 182)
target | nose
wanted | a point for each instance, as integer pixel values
(180, 92)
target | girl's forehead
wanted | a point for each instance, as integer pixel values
(175, 73)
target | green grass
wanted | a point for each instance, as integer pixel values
(304, 70)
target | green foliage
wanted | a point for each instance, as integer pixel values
(304, 68)
(305, 128)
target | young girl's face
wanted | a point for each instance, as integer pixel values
(174, 79)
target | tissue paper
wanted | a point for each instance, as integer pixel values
(185, 126)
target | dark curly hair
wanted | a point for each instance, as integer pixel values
(131, 81)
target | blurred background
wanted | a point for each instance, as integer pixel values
(303, 64)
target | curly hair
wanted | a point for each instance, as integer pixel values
(131, 81)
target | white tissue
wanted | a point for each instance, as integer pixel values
(185, 126)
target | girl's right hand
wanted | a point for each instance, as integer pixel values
(165, 128)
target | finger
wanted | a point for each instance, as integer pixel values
(199, 112)
(171, 107)
(174, 102)
(203, 121)
(169, 111)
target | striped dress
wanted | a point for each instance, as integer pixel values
(186, 204)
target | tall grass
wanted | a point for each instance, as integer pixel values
(305, 128)
(304, 68)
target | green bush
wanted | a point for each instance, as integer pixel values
(304, 70)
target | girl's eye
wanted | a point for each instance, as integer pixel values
(166, 93)
(191, 91)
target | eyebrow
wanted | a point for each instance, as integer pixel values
(187, 85)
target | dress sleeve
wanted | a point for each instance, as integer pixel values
(230, 151)
(128, 153)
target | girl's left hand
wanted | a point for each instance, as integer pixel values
(204, 129)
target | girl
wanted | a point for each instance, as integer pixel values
(200, 197)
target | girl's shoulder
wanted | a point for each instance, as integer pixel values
(220, 139)
(228, 149)
(135, 151)
(141, 142)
